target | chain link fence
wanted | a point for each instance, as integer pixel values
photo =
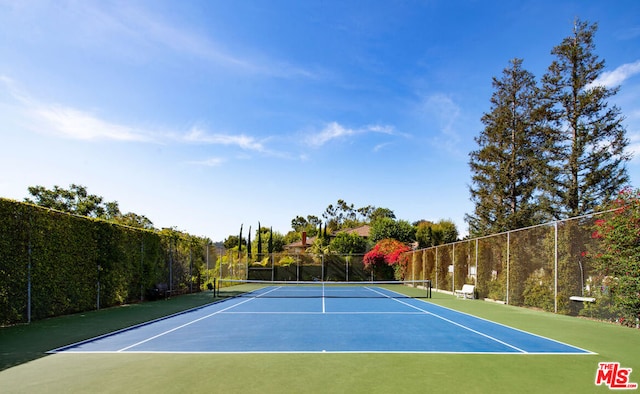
(546, 267)
(285, 266)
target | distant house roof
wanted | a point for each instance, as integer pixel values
(362, 231)
(298, 247)
(298, 244)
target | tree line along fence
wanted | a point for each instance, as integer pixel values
(285, 266)
(53, 263)
(548, 266)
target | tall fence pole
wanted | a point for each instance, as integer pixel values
(453, 264)
(555, 267)
(475, 277)
(413, 265)
(508, 265)
(141, 267)
(29, 275)
(437, 287)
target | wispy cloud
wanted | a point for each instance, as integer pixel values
(198, 135)
(210, 162)
(154, 30)
(617, 76)
(135, 31)
(76, 124)
(73, 123)
(69, 122)
(379, 147)
(444, 112)
(334, 130)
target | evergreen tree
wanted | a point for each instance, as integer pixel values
(505, 167)
(259, 241)
(249, 244)
(588, 162)
(240, 243)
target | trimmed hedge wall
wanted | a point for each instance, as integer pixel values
(53, 263)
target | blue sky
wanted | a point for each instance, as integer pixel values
(205, 115)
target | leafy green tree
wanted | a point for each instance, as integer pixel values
(319, 247)
(431, 234)
(74, 200)
(308, 224)
(386, 227)
(379, 213)
(365, 212)
(232, 242)
(505, 167)
(276, 242)
(133, 220)
(448, 230)
(425, 236)
(78, 201)
(348, 243)
(298, 223)
(588, 153)
(344, 215)
(337, 215)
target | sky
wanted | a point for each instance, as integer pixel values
(208, 115)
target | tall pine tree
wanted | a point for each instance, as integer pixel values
(588, 139)
(505, 167)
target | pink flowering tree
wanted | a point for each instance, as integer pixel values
(385, 259)
(617, 261)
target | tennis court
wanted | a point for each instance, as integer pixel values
(322, 318)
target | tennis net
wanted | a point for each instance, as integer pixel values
(323, 289)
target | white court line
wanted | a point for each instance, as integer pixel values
(588, 352)
(452, 322)
(321, 313)
(323, 304)
(189, 323)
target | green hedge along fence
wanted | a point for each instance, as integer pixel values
(54, 263)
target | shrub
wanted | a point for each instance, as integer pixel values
(619, 257)
(384, 259)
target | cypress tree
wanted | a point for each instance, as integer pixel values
(259, 241)
(249, 244)
(240, 242)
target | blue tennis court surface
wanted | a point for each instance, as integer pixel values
(321, 321)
